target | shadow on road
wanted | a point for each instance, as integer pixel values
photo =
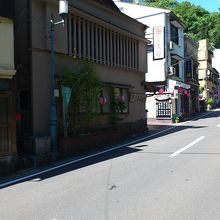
(106, 153)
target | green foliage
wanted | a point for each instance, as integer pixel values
(116, 107)
(201, 89)
(113, 117)
(210, 101)
(168, 4)
(86, 87)
(200, 24)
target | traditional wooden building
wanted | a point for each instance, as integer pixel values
(7, 96)
(95, 31)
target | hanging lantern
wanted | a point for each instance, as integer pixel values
(121, 99)
(102, 100)
(161, 91)
(180, 90)
(186, 92)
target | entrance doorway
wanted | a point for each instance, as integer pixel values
(163, 109)
(7, 125)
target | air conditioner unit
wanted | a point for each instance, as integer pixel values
(172, 70)
(171, 45)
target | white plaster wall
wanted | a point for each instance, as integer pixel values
(151, 107)
(156, 68)
(216, 59)
(137, 11)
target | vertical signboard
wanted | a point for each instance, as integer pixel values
(66, 93)
(188, 69)
(158, 43)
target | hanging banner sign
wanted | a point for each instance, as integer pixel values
(164, 97)
(158, 42)
(66, 93)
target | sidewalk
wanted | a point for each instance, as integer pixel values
(153, 123)
(152, 127)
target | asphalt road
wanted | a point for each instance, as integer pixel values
(172, 175)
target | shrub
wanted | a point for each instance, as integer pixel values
(210, 101)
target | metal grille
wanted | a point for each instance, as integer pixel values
(163, 109)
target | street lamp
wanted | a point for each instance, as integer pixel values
(63, 12)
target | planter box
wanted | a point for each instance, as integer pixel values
(75, 144)
(100, 138)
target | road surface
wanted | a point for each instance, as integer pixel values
(172, 175)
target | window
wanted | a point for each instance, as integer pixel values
(195, 71)
(121, 100)
(188, 69)
(174, 34)
(102, 45)
(175, 64)
(5, 85)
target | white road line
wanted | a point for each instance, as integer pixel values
(186, 147)
(93, 155)
(218, 126)
(80, 159)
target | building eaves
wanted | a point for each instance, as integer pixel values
(108, 3)
(173, 17)
(112, 16)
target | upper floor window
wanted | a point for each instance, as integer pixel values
(174, 34)
(102, 45)
(210, 56)
(175, 64)
(191, 69)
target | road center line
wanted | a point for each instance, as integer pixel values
(186, 147)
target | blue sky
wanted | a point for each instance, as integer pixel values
(209, 5)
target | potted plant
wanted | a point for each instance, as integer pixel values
(177, 119)
(210, 103)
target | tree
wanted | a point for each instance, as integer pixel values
(168, 4)
(85, 88)
(200, 24)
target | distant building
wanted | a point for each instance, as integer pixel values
(165, 79)
(216, 59)
(191, 73)
(216, 65)
(208, 76)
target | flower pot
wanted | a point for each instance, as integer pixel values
(177, 120)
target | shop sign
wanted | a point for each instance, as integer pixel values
(137, 97)
(163, 97)
(158, 42)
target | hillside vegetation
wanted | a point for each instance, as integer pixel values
(200, 23)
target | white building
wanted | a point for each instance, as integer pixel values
(165, 60)
(216, 65)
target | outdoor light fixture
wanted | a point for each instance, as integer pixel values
(63, 8)
(63, 12)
